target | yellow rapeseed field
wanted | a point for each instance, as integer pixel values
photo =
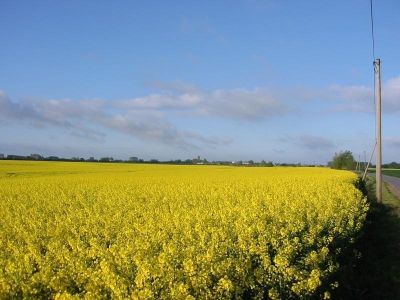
(173, 232)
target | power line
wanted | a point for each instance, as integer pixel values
(373, 53)
(377, 144)
(372, 30)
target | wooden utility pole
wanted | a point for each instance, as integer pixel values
(377, 67)
(365, 160)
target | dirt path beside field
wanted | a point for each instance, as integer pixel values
(393, 184)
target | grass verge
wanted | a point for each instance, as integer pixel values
(389, 172)
(376, 275)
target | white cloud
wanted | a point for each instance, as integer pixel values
(315, 142)
(392, 141)
(146, 117)
(241, 104)
(261, 103)
(86, 118)
(360, 98)
(391, 95)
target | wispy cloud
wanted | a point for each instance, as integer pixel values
(86, 118)
(307, 141)
(357, 98)
(392, 141)
(149, 117)
(315, 142)
(241, 104)
(261, 103)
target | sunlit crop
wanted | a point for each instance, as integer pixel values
(173, 232)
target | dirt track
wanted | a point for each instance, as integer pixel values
(393, 183)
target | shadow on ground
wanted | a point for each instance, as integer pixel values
(377, 274)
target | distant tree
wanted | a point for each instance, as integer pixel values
(53, 158)
(392, 165)
(263, 163)
(36, 156)
(17, 157)
(343, 160)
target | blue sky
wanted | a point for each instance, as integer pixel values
(287, 81)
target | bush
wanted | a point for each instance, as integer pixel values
(343, 161)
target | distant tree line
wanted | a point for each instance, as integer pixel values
(392, 165)
(74, 159)
(133, 159)
(344, 160)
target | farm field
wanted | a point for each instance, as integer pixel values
(389, 172)
(159, 231)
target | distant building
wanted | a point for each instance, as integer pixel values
(133, 158)
(2, 156)
(196, 160)
(91, 158)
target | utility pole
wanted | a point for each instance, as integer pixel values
(365, 160)
(377, 67)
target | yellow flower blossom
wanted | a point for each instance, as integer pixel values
(87, 230)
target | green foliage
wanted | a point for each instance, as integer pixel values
(392, 165)
(343, 160)
(266, 164)
(395, 173)
(389, 172)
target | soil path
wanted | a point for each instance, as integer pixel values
(393, 183)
